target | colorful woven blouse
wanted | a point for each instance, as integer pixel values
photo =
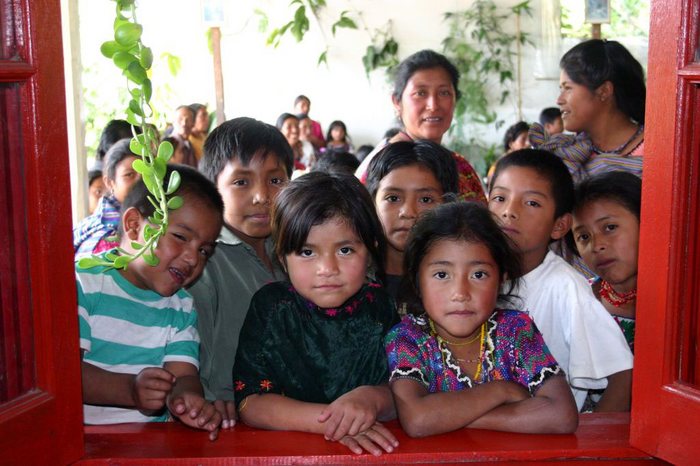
(514, 351)
(290, 346)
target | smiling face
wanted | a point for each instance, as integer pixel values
(458, 282)
(248, 192)
(124, 178)
(520, 142)
(607, 237)
(290, 130)
(427, 104)
(183, 122)
(402, 196)
(331, 266)
(182, 252)
(579, 105)
(525, 207)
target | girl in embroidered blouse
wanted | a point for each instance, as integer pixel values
(457, 361)
(311, 354)
(606, 233)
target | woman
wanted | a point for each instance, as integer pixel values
(602, 100)
(304, 157)
(200, 129)
(424, 97)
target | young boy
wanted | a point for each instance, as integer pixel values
(405, 179)
(532, 194)
(139, 344)
(550, 119)
(249, 161)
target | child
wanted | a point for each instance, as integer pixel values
(139, 346)
(94, 234)
(96, 188)
(302, 106)
(338, 139)
(532, 194)
(405, 179)
(250, 162)
(550, 119)
(461, 362)
(606, 232)
(515, 138)
(304, 156)
(182, 128)
(337, 162)
(311, 355)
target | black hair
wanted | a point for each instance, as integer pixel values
(284, 117)
(363, 151)
(301, 97)
(197, 107)
(113, 132)
(595, 61)
(192, 111)
(391, 132)
(317, 197)
(118, 152)
(548, 166)
(336, 162)
(337, 124)
(94, 175)
(549, 115)
(617, 186)
(513, 132)
(192, 183)
(422, 152)
(243, 138)
(459, 221)
(423, 60)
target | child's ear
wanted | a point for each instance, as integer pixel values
(562, 225)
(131, 222)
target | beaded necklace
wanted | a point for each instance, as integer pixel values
(619, 149)
(613, 297)
(481, 336)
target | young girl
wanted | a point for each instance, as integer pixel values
(304, 157)
(338, 139)
(606, 232)
(461, 362)
(310, 355)
(405, 179)
(95, 233)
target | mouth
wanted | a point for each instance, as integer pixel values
(565, 113)
(328, 287)
(604, 264)
(509, 230)
(433, 120)
(179, 276)
(259, 218)
(462, 313)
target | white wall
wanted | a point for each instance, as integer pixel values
(261, 82)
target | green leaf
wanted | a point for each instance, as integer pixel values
(146, 58)
(135, 146)
(136, 245)
(149, 180)
(165, 150)
(323, 58)
(135, 107)
(141, 167)
(121, 262)
(173, 183)
(263, 21)
(344, 22)
(123, 60)
(147, 89)
(175, 202)
(90, 262)
(132, 119)
(136, 73)
(159, 168)
(151, 259)
(127, 34)
(110, 48)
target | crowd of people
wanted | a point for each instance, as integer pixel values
(301, 287)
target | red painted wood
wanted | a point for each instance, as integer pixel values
(45, 425)
(598, 437)
(665, 409)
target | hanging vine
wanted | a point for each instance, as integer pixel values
(134, 59)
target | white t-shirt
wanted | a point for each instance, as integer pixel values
(581, 334)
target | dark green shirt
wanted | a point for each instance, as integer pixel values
(290, 346)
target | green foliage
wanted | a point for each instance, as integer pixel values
(628, 18)
(134, 60)
(481, 45)
(383, 52)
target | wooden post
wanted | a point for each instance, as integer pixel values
(595, 31)
(218, 75)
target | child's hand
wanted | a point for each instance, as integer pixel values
(195, 411)
(227, 409)
(371, 440)
(350, 414)
(151, 388)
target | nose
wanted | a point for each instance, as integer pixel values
(460, 292)
(261, 194)
(408, 210)
(431, 102)
(327, 265)
(560, 98)
(509, 209)
(598, 243)
(191, 256)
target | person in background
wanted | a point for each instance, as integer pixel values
(200, 129)
(96, 189)
(514, 139)
(363, 151)
(336, 162)
(182, 128)
(424, 97)
(302, 106)
(139, 346)
(304, 156)
(338, 138)
(113, 131)
(550, 119)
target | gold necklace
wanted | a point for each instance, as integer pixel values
(464, 343)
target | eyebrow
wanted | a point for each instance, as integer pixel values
(532, 191)
(396, 188)
(447, 262)
(336, 244)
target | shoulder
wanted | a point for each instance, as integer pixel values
(411, 328)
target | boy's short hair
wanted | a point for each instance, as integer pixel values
(426, 153)
(113, 131)
(549, 115)
(94, 175)
(546, 165)
(621, 187)
(316, 197)
(192, 183)
(336, 162)
(118, 152)
(243, 138)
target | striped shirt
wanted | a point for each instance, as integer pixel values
(125, 329)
